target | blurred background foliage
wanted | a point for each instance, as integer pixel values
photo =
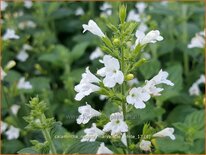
(61, 53)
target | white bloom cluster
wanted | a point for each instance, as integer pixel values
(106, 9)
(194, 89)
(10, 34)
(11, 133)
(79, 11)
(198, 41)
(138, 96)
(139, 17)
(23, 55)
(22, 84)
(145, 145)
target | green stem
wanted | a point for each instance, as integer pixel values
(184, 39)
(124, 106)
(48, 137)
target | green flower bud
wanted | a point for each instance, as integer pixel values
(129, 77)
(10, 65)
(116, 41)
(122, 13)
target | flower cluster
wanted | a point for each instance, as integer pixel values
(198, 41)
(113, 75)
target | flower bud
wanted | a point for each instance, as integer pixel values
(116, 41)
(122, 13)
(10, 65)
(129, 77)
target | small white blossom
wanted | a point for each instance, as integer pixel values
(22, 84)
(133, 16)
(124, 139)
(141, 7)
(161, 77)
(102, 97)
(3, 5)
(15, 108)
(96, 54)
(92, 133)
(26, 24)
(87, 112)
(142, 27)
(23, 55)
(111, 72)
(137, 97)
(103, 149)
(151, 37)
(194, 89)
(116, 124)
(10, 34)
(18, 14)
(86, 86)
(12, 133)
(133, 82)
(93, 28)
(79, 11)
(28, 4)
(151, 88)
(145, 145)
(167, 132)
(3, 74)
(3, 126)
(198, 41)
(106, 9)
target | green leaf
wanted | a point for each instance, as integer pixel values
(166, 145)
(84, 147)
(196, 119)
(11, 146)
(28, 150)
(150, 68)
(78, 50)
(40, 83)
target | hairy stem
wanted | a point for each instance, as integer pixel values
(48, 137)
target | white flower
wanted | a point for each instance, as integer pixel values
(15, 109)
(145, 145)
(93, 28)
(152, 89)
(26, 24)
(106, 9)
(111, 71)
(86, 86)
(132, 82)
(133, 16)
(2, 74)
(124, 139)
(102, 97)
(167, 132)
(79, 11)
(141, 7)
(96, 54)
(103, 149)
(194, 89)
(87, 112)
(22, 84)
(137, 97)
(151, 37)
(197, 41)
(23, 55)
(3, 126)
(161, 77)
(12, 133)
(28, 4)
(3, 5)
(116, 124)
(10, 34)
(92, 133)
(142, 27)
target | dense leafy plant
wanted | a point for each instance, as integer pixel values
(45, 53)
